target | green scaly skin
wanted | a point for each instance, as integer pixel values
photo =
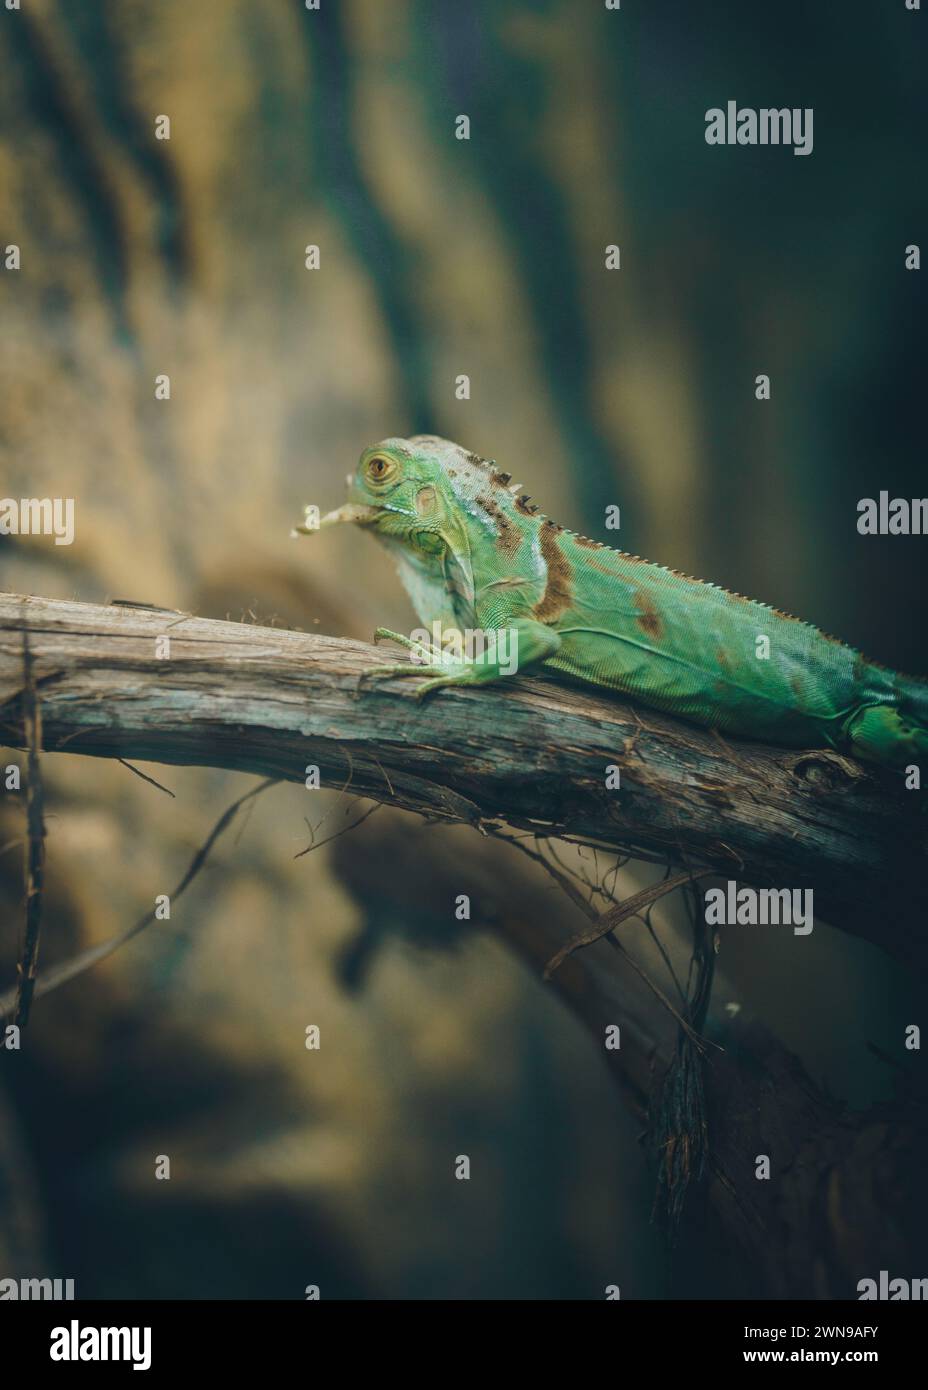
(474, 553)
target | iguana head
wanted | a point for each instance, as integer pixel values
(418, 488)
(434, 505)
(402, 490)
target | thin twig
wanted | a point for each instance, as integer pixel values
(664, 953)
(35, 842)
(69, 969)
(605, 922)
(345, 828)
(325, 815)
(580, 901)
(145, 777)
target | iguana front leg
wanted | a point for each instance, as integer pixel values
(531, 642)
(429, 653)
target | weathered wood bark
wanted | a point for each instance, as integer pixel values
(271, 702)
(844, 1197)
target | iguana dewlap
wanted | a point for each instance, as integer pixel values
(476, 554)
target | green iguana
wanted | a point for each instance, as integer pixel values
(475, 554)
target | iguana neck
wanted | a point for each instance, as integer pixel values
(435, 583)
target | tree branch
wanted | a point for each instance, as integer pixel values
(845, 1196)
(533, 755)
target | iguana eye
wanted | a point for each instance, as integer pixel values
(379, 468)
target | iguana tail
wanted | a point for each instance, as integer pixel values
(893, 734)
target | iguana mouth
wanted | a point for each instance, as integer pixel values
(357, 512)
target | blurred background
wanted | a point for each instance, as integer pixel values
(438, 257)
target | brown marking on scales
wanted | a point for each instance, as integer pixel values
(721, 659)
(477, 461)
(649, 620)
(558, 593)
(425, 499)
(611, 570)
(508, 535)
(661, 573)
(657, 573)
